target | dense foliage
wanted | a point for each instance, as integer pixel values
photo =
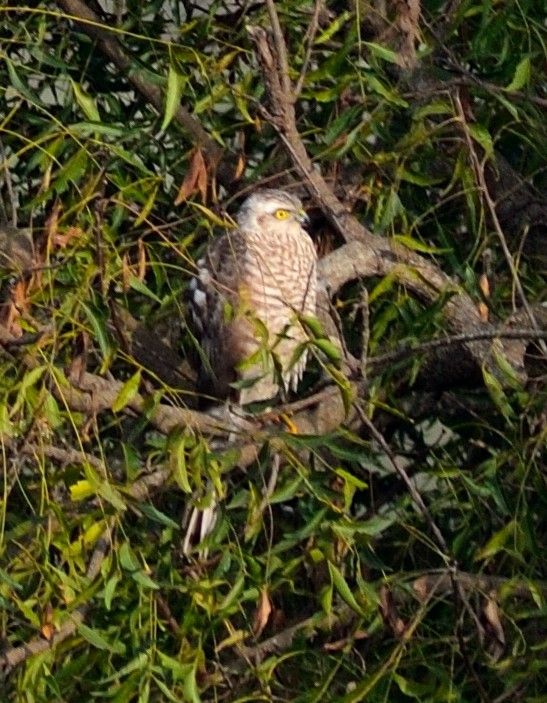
(400, 554)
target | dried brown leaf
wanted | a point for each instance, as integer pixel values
(240, 167)
(47, 628)
(389, 612)
(336, 646)
(344, 642)
(494, 629)
(421, 588)
(202, 176)
(126, 273)
(195, 179)
(142, 260)
(262, 613)
(61, 241)
(485, 288)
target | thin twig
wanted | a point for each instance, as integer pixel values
(411, 351)
(309, 39)
(457, 590)
(414, 494)
(479, 173)
(281, 52)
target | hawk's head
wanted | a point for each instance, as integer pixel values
(269, 206)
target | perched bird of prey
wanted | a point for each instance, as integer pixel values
(252, 285)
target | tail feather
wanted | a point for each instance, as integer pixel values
(200, 524)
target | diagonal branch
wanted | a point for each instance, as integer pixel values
(273, 59)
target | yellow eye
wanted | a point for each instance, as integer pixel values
(281, 214)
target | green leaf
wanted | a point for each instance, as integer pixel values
(161, 518)
(522, 74)
(497, 394)
(95, 639)
(512, 109)
(177, 462)
(391, 209)
(147, 207)
(345, 387)
(418, 179)
(142, 288)
(190, 687)
(128, 392)
(343, 589)
(81, 490)
(497, 543)
(176, 83)
(128, 560)
(6, 578)
(231, 597)
(18, 84)
(99, 327)
(412, 689)
(342, 123)
(350, 478)
(30, 380)
(378, 87)
(72, 171)
(330, 350)
(287, 491)
(139, 663)
(143, 579)
(111, 495)
(240, 100)
(415, 245)
(109, 591)
(325, 598)
(313, 326)
(51, 412)
(481, 135)
(166, 691)
(86, 102)
(509, 374)
(334, 27)
(373, 527)
(382, 52)
(210, 215)
(7, 427)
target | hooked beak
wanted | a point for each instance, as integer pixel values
(303, 218)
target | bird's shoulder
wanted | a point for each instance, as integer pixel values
(224, 252)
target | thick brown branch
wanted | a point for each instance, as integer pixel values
(281, 99)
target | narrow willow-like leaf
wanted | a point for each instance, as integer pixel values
(128, 392)
(86, 102)
(521, 76)
(343, 588)
(175, 86)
